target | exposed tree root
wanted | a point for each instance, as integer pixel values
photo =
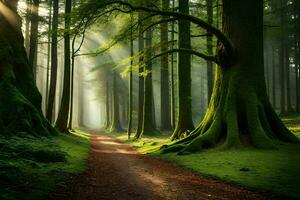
(238, 118)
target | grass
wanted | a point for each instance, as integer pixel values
(31, 168)
(275, 171)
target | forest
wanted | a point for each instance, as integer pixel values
(149, 99)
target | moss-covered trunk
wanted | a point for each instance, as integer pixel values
(239, 112)
(184, 119)
(20, 105)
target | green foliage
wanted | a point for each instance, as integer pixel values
(30, 167)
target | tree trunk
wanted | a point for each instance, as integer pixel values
(149, 127)
(63, 115)
(173, 113)
(20, 112)
(27, 25)
(115, 123)
(273, 79)
(184, 122)
(130, 92)
(107, 123)
(239, 113)
(297, 52)
(53, 78)
(34, 35)
(282, 61)
(164, 74)
(209, 4)
(141, 81)
(48, 56)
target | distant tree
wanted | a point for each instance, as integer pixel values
(34, 28)
(115, 121)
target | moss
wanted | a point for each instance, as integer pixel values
(273, 171)
(30, 167)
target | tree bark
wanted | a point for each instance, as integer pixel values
(164, 73)
(34, 35)
(209, 41)
(53, 76)
(141, 81)
(184, 120)
(115, 123)
(148, 127)
(63, 115)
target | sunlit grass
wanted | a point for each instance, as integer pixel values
(275, 171)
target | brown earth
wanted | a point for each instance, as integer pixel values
(117, 172)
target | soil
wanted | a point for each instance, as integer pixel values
(118, 172)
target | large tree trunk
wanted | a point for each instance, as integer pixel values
(34, 35)
(239, 113)
(63, 115)
(164, 74)
(20, 104)
(184, 121)
(149, 127)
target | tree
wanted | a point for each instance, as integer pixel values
(239, 112)
(184, 122)
(130, 90)
(209, 5)
(141, 80)
(34, 34)
(107, 103)
(63, 115)
(164, 73)
(115, 122)
(53, 76)
(148, 123)
(20, 106)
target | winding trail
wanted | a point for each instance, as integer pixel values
(117, 172)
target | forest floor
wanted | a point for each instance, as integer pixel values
(117, 171)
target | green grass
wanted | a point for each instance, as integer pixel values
(275, 171)
(31, 168)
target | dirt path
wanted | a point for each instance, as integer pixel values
(116, 171)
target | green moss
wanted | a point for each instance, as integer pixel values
(30, 167)
(273, 171)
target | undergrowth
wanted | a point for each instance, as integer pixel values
(32, 167)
